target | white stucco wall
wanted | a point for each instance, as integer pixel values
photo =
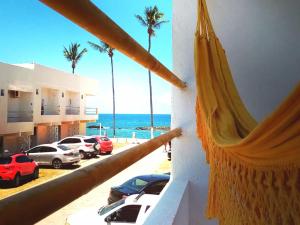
(188, 158)
(261, 38)
(50, 83)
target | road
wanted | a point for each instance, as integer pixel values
(98, 196)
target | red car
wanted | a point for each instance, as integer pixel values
(15, 167)
(106, 145)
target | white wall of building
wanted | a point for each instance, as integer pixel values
(50, 83)
(261, 38)
(34, 83)
(188, 158)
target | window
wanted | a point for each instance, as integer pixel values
(136, 184)
(90, 140)
(147, 207)
(104, 139)
(70, 141)
(127, 214)
(5, 160)
(155, 188)
(34, 150)
(47, 149)
(110, 207)
(63, 147)
(22, 159)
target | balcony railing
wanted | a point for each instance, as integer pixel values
(72, 110)
(47, 110)
(19, 116)
(46, 198)
(90, 111)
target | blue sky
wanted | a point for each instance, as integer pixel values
(32, 32)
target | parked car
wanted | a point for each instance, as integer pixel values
(16, 167)
(149, 184)
(85, 144)
(53, 155)
(169, 154)
(132, 210)
(105, 144)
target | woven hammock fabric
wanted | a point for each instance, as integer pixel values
(254, 168)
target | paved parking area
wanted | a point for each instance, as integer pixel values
(48, 173)
(98, 196)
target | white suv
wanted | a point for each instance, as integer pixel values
(85, 144)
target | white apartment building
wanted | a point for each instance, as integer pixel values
(41, 105)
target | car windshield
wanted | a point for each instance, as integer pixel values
(110, 207)
(63, 147)
(90, 140)
(135, 184)
(104, 139)
(5, 160)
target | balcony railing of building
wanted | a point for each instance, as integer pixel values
(72, 110)
(90, 111)
(50, 110)
(19, 116)
(47, 198)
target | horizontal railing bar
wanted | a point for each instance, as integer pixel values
(29, 111)
(38, 202)
(85, 14)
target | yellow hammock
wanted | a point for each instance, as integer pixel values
(254, 168)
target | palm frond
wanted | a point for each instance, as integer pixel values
(158, 24)
(152, 18)
(72, 55)
(105, 45)
(67, 54)
(97, 47)
(141, 20)
(79, 56)
(102, 47)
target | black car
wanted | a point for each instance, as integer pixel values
(149, 184)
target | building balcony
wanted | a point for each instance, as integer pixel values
(72, 110)
(19, 116)
(90, 111)
(50, 110)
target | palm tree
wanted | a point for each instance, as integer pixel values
(152, 19)
(73, 55)
(105, 48)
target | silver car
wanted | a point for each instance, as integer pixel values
(53, 155)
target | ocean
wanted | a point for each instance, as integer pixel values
(126, 124)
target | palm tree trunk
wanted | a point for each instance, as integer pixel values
(73, 67)
(150, 88)
(113, 92)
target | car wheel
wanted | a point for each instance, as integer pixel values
(35, 173)
(56, 163)
(17, 179)
(82, 154)
(96, 146)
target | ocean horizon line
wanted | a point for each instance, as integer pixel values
(134, 113)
